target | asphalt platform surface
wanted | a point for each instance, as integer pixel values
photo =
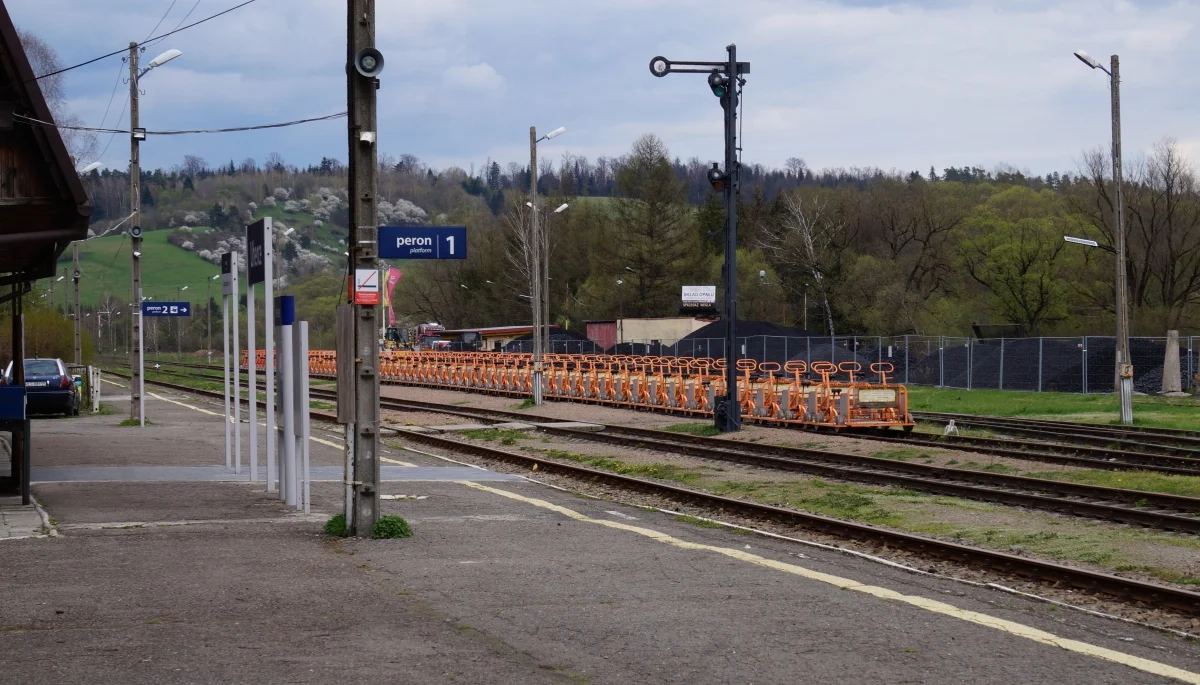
(505, 581)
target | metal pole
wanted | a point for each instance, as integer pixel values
(235, 369)
(1040, 341)
(535, 263)
(1001, 363)
(287, 392)
(364, 236)
(728, 415)
(252, 370)
(208, 306)
(75, 278)
(178, 328)
(269, 351)
(1124, 370)
(225, 375)
(136, 357)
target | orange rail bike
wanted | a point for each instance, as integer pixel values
(793, 394)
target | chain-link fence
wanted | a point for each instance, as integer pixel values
(1084, 364)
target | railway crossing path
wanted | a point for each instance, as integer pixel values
(168, 569)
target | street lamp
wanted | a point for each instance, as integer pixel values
(620, 299)
(137, 357)
(1123, 378)
(535, 261)
(545, 248)
(726, 82)
(179, 325)
(208, 306)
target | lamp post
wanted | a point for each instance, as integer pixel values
(725, 81)
(535, 241)
(179, 325)
(137, 357)
(545, 249)
(208, 306)
(620, 298)
(1123, 378)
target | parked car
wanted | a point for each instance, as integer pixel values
(49, 388)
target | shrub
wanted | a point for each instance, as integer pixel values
(336, 526)
(388, 527)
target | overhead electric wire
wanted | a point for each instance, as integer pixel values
(123, 50)
(185, 18)
(256, 127)
(160, 21)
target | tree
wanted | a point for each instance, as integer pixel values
(656, 238)
(43, 59)
(217, 216)
(194, 166)
(804, 247)
(1013, 247)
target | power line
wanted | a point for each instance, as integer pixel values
(123, 50)
(185, 18)
(160, 21)
(256, 127)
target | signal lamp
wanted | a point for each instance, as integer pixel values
(717, 178)
(719, 84)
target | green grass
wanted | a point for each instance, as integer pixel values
(703, 523)
(389, 527)
(1149, 481)
(106, 266)
(336, 526)
(527, 403)
(900, 454)
(506, 436)
(1162, 412)
(645, 470)
(706, 430)
(134, 422)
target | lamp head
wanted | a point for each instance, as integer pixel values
(556, 132)
(164, 58)
(90, 168)
(561, 207)
(1087, 59)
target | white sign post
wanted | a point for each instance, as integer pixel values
(233, 408)
(303, 428)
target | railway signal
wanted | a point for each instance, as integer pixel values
(725, 80)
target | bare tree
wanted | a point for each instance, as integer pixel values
(193, 165)
(806, 243)
(82, 145)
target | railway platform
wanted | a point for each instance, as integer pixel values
(170, 577)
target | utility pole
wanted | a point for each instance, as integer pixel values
(75, 277)
(1124, 370)
(729, 411)
(725, 80)
(135, 243)
(535, 265)
(363, 63)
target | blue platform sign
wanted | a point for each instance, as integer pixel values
(166, 309)
(423, 242)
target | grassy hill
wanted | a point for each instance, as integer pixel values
(105, 265)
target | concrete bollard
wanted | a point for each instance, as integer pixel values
(1171, 380)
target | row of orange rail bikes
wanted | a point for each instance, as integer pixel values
(794, 393)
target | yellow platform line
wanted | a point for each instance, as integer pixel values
(931, 605)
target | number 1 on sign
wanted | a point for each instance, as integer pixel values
(450, 239)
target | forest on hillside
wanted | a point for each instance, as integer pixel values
(845, 251)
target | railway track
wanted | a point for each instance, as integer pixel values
(1129, 589)
(1159, 441)
(1044, 449)
(1134, 507)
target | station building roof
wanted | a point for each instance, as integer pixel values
(43, 205)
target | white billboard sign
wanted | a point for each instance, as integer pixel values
(699, 294)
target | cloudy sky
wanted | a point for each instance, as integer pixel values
(852, 83)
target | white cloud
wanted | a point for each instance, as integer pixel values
(478, 77)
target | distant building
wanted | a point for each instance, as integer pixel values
(665, 329)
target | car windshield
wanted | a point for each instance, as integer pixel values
(41, 367)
